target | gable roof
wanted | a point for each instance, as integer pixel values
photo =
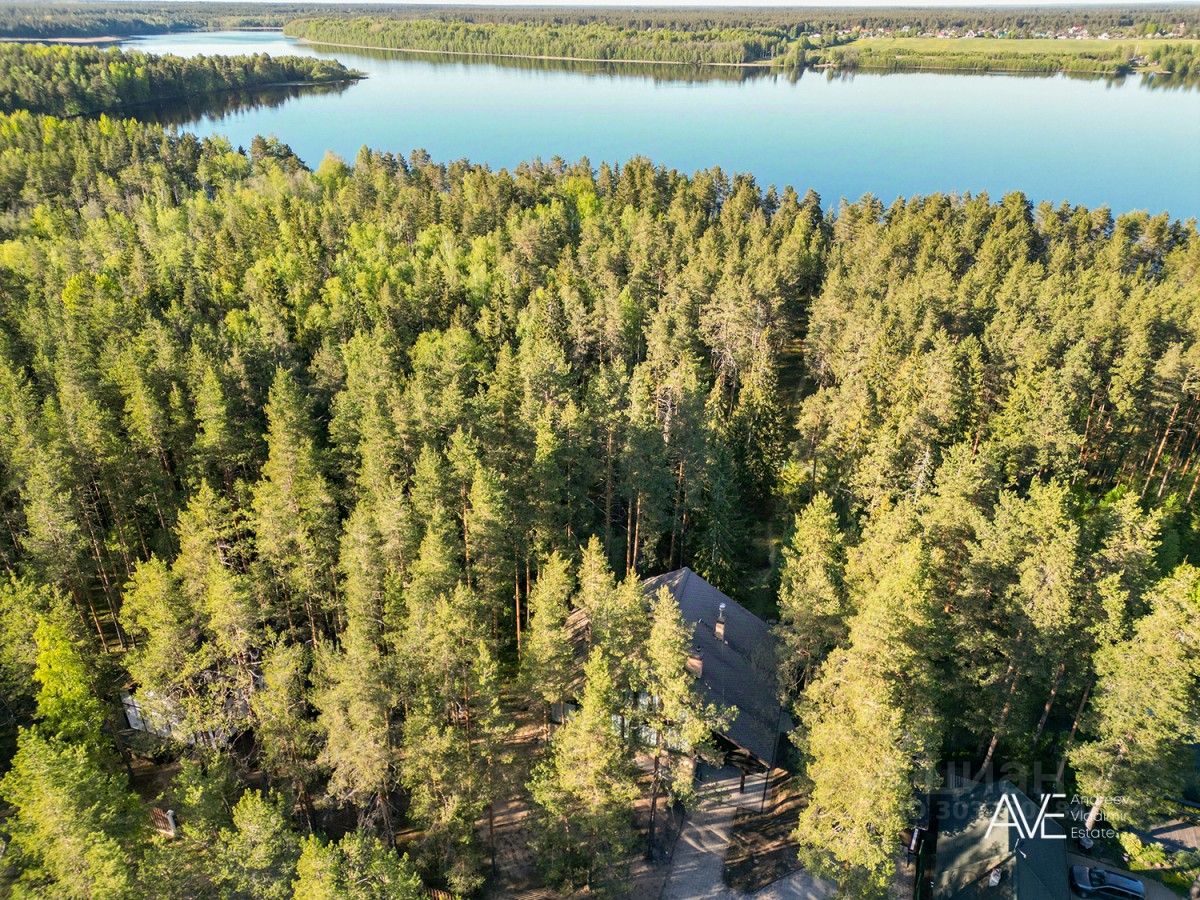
(967, 853)
(738, 673)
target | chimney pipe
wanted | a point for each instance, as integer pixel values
(695, 662)
(719, 627)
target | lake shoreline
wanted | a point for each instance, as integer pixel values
(99, 41)
(755, 65)
(761, 65)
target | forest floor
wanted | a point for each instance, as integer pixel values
(699, 865)
(761, 848)
(516, 874)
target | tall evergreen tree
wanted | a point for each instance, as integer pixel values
(870, 734)
(358, 867)
(585, 790)
(679, 720)
(294, 514)
(1146, 708)
(546, 665)
(812, 599)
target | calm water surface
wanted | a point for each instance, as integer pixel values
(1120, 144)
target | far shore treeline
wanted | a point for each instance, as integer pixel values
(65, 19)
(791, 46)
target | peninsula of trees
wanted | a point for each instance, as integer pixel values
(77, 80)
(591, 41)
(315, 463)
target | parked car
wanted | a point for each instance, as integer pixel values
(1089, 881)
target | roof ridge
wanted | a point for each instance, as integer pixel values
(687, 573)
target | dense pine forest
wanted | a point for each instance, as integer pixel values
(315, 463)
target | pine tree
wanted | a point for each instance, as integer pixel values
(869, 732)
(453, 732)
(547, 660)
(595, 580)
(437, 567)
(358, 867)
(676, 715)
(285, 732)
(717, 546)
(211, 568)
(585, 790)
(179, 685)
(620, 627)
(23, 604)
(1146, 708)
(68, 708)
(215, 448)
(257, 856)
(1028, 566)
(812, 600)
(491, 545)
(76, 828)
(356, 697)
(294, 512)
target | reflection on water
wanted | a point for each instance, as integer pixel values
(1167, 82)
(219, 106)
(658, 72)
(663, 73)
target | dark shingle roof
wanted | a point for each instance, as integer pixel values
(738, 672)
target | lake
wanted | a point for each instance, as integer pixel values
(1121, 143)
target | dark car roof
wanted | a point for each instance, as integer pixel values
(1116, 879)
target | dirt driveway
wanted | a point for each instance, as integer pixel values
(698, 864)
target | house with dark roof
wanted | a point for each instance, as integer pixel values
(732, 656)
(989, 842)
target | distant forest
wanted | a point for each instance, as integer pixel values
(313, 464)
(119, 19)
(738, 45)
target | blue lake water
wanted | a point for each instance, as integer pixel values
(1116, 143)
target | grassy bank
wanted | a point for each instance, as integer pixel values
(1034, 55)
